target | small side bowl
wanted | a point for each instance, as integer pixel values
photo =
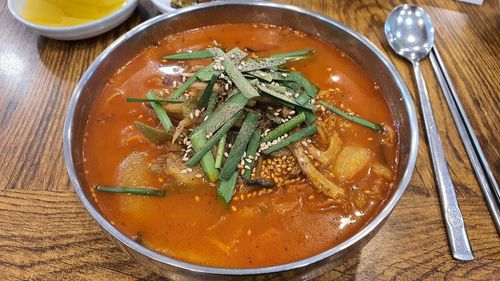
(75, 32)
(163, 6)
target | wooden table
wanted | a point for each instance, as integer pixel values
(45, 233)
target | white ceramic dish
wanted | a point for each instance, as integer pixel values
(76, 32)
(163, 6)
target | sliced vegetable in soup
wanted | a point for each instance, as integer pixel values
(240, 146)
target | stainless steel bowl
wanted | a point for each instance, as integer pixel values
(149, 32)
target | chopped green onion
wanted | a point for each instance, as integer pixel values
(206, 73)
(203, 101)
(207, 162)
(303, 98)
(355, 119)
(154, 100)
(235, 55)
(284, 128)
(201, 54)
(293, 54)
(154, 135)
(160, 112)
(253, 146)
(232, 106)
(251, 64)
(220, 151)
(239, 145)
(278, 88)
(179, 91)
(310, 116)
(284, 98)
(226, 188)
(291, 139)
(268, 77)
(237, 77)
(213, 140)
(212, 100)
(132, 190)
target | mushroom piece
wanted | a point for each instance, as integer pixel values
(326, 157)
(323, 184)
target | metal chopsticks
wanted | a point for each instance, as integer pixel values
(485, 177)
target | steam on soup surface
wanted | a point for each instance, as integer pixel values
(283, 178)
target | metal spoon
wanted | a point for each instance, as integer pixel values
(410, 33)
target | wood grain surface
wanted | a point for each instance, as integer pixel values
(46, 234)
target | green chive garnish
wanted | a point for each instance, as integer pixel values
(201, 54)
(284, 128)
(295, 137)
(355, 119)
(160, 112)
(155, 100)
(132, 190)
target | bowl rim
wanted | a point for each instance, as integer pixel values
(366, 230)
(85, 26)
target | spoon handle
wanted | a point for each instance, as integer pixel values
(460, 246)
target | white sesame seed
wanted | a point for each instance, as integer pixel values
(250, 157)
(191, 115)
(304, 143)
(240, 166)
(174, 84)
(230, 145)
(184, 171)
(226, 154)
(276, 113)
(284, 74)
(206, 117)
(198, 175)
(296, 95)
(248, 160)
(292, 112)
(318, 154)
(247, 167)
(185, 159)
(197, 113)
(189, 170)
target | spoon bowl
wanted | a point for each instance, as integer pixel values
(410, 32)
